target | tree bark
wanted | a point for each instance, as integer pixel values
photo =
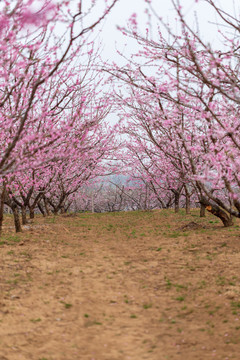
(217, 211)
(17, 222)
(46, 206)
(187, 206)
(176, 201)
(202, 211)
(31, 211)
(41, 209)
(2, 208)
(24, 215)
(92, 204)
(188, 198)
(67, 207)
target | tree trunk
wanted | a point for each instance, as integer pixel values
(24, 215)
(92, 204)
(46, 206)
(55, 210)
(188, 198)
(187, 205)
(217, 211)
(202, 211)
(2, 208)
(67, 207)
(17, 222)
(176, 201)
(41, 209)
(31, 211)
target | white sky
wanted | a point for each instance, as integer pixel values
(113, 38)
(125, 8)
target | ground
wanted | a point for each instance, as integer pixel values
(119, 286)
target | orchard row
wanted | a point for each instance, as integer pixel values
(177, 98)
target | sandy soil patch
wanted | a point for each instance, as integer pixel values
(120, 286)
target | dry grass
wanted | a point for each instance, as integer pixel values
(120, 286)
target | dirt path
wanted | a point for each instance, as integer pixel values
(118, 287)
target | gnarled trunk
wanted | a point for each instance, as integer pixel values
(41, 209)
(217, 211)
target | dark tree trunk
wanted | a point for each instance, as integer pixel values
(169, 203)
(187, 205)
(41, 209)
(46, 206)
(217, 211)
(17, 222)
(67, 207)
(2, 208)
(202, 211)
(176, 201)
(24, 215)
(31, 211)
(55, 210)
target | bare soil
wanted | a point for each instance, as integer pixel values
(120, 286)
